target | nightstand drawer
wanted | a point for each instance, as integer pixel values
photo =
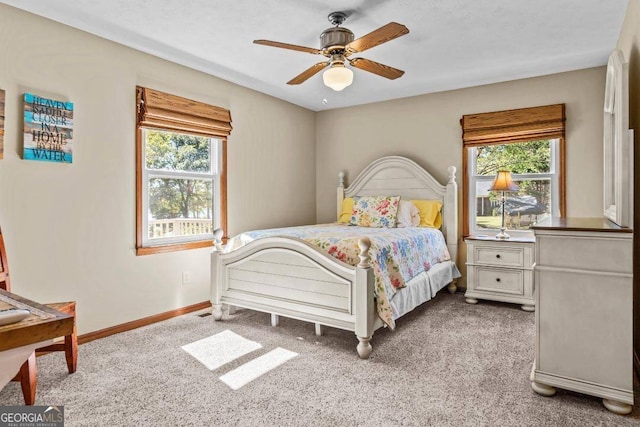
(499, 256)
(499, 280)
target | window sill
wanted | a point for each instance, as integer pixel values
(148, 250)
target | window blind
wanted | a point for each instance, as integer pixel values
(161, 110)
(525, 124)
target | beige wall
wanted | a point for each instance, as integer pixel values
(70, 229)
(629, 44)
(427, 129)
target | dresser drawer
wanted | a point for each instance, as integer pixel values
(601, 253)
(499, 256)
(499, 280)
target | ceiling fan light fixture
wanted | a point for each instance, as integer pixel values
(337, 44)
(337, 77)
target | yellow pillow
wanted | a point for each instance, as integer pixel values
(430, 215)
(347, 209)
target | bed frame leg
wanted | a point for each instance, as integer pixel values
(364, 347)
(318, 329)
(216, 265)
(365, 303)
(217, 312)
(275, 320)
(452, 288)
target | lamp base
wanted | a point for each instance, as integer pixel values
(502, 235)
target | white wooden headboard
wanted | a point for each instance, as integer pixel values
(399, 176)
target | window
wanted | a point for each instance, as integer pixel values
(180, 185)
(181, 176)
(530, 144)
(532, 166)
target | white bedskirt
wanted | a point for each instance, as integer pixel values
(423, 287)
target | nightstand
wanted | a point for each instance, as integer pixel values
(501, 270)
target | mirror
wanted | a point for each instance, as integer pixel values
(618, 143)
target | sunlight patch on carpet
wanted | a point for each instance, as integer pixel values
(220, 349)
(256, 367)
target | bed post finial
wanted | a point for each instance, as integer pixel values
(452, 173)
(217, 239)
(341, 179)
(365, 260)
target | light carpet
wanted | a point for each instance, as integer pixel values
(447, 364)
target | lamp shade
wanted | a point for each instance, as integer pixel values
(503, 182)
(337, 77)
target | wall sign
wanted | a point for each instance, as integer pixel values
(48, 129)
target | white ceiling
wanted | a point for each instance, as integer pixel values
(451, 44)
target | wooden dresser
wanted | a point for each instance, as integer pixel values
(584, 313)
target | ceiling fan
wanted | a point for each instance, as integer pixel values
(338, 44)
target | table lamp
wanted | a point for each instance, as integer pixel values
(503, 183)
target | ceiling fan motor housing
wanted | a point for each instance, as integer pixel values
(335, 38)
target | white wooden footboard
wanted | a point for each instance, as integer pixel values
(290, 277)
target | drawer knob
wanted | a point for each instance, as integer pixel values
(498, 256)
(497, 279)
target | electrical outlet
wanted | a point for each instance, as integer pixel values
(186, 277)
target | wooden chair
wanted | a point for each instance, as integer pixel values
(28, 372)
(5, 282)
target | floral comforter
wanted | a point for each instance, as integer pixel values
(398, 254)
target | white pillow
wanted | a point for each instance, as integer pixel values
(408, 214)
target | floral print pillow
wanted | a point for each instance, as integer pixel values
(375, 211)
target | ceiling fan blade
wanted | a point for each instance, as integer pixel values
(376, 68)
(383, 34)
(288, 46)
(309, 72)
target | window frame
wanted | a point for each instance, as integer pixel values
(513, 126)
(213, 174)
(160, 111)
(473, 179)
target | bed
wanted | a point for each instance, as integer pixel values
(285, 273)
